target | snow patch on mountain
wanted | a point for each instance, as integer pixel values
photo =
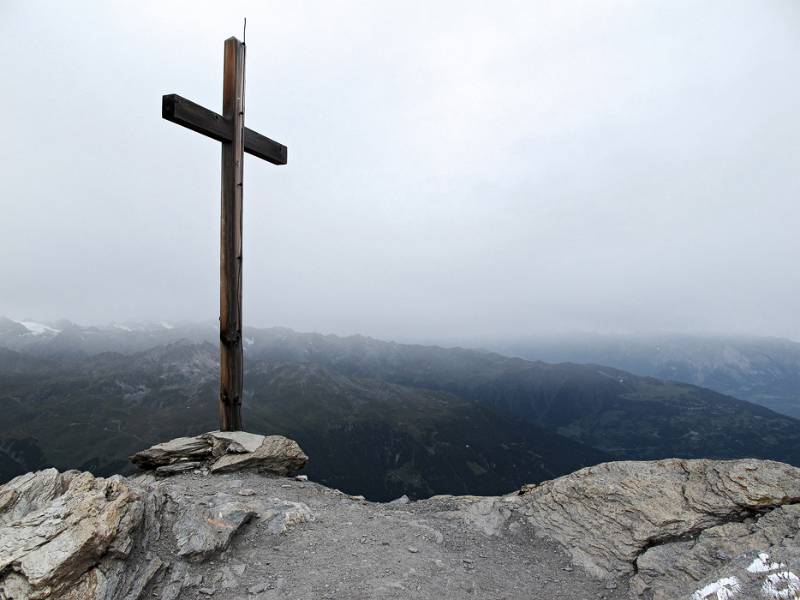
(39, 328)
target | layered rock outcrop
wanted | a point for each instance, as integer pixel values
(670, 525)
(73, 536)
(691, 529)
(59, 533)
(224, 451)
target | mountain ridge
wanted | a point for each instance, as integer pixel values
(432, 419)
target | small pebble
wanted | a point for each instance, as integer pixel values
(246, 492)
(301, 477)
(413, 550)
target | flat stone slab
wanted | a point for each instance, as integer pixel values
(166, 453)
(236, 441)
(276, 454)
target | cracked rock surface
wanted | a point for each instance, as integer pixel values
(749, 552)
(669, 523)
(654, 530)
(57, 528)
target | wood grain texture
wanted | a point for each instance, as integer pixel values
(230, 280)
(228, 128)
(186, 113)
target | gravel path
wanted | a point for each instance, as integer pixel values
(438, 549)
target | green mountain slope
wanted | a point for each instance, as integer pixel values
(379, 418)
(364, 436)
(627, 416)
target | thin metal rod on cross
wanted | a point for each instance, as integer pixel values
(236, 139)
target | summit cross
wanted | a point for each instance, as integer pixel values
(236, 139)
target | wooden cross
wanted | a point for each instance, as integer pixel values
(229, 129)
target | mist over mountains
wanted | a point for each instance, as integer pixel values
(762, 370)
(378, 418)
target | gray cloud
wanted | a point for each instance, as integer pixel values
(455, 169)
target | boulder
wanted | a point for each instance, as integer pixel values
(276, 454)
(204, 531)
(31, 492)
(609, 515)
(55, 528)
(223, 452)
(73, 536)
(206, 527)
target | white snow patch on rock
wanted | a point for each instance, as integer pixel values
(762, 564)
(723, 589)
(782, 586)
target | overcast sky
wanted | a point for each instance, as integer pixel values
(455, 168)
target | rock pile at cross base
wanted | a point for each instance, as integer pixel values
(221, 516)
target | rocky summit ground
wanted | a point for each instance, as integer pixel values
(228, 527)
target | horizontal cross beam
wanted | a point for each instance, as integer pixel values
(193, 116)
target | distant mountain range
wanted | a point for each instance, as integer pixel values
(377, 418)
(765, 371)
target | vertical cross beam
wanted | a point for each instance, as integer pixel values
(230, 302)
(236, 139)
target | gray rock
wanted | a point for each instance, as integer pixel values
(229, 578)
(178, 467)
(680, 568)
(54, 549)
(179, 449)
(665, 529)
(202, 532)
(257, 588)
(177, 581)
(224, 452)
(606, 516)
(280, 515)
(276, 454)
(31, 492)
(235, 442)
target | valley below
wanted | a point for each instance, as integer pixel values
(380, 419)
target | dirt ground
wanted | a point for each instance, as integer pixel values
(439, 549)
